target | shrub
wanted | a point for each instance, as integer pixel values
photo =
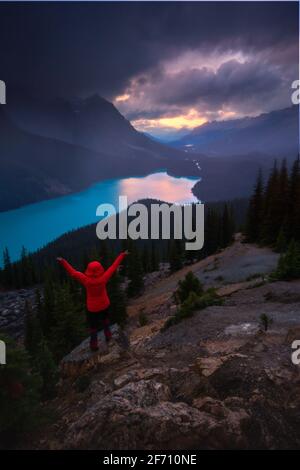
(265, 321)
(189, 284)
(288, 267)
(192, 303)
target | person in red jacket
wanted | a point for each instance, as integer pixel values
(94, 279)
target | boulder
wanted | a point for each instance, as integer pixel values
(140, 415)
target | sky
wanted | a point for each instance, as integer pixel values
(167, 67)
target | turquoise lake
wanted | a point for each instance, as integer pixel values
(35, 225)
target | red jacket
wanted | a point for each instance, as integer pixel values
(94, 280)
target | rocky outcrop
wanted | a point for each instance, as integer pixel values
(213, 381)
(141, 415)
(240, 392)
(82, 359)
(12, 311)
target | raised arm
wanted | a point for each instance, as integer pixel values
(71, 271)
(110, 271)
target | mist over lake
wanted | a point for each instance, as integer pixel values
(35, 225)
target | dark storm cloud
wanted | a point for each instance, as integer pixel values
(76, 48)
(233, 81)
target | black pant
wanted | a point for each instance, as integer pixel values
(97, 321)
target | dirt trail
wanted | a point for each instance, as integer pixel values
(239, 263)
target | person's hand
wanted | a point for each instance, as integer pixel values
(59, 258)
(126, 252)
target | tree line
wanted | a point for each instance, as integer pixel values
(273, 217)
(81, 246)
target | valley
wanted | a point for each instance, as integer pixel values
(56, 148)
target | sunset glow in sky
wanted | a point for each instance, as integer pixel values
(167, 66)
(188, 121)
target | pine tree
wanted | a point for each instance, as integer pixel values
(146, 260)
(154, 258)
(19, 394)
(281, 242)
(289, 263)
(227, 227)
(68, 323)
(117, 301)
(135, 272)
(175, 255)
(41, 357)
(105, 253)
(7, 269)
(189, 284)
(46, 315)
(255, 212)
(27, 274)
(47, 369)
(284, 190)
(33, 331)
(212, 232)
(293, 205)
(272, 200)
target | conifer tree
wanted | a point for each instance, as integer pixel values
(46, 314)
(271, 216)
(68, 323)
(117, 301)
(255, 212)
(47, 369)
(281, 242)
(289, 263)
(33, 330)
(293, 205)
(189, 284)
(27, 274)
(41, 357)
(212, 232)
(227, 227)
(175, 255)
(19, 394)
(146, 259)
(7, 269)
(154, 258)
(134, 271)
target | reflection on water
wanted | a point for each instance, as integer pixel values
(158, 186)
(35, 225)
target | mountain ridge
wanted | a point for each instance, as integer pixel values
(268, 133)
